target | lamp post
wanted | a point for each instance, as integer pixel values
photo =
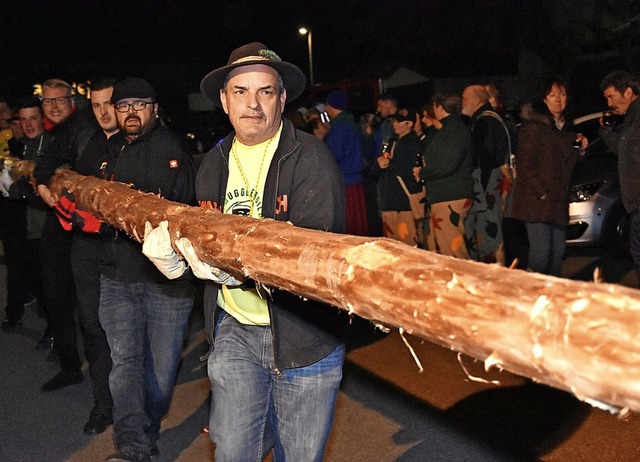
(303, 31)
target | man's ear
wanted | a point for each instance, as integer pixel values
(628, 93)
(223, 100)
(283, 99)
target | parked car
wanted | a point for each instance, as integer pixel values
(596, 213)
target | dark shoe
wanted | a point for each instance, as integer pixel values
(53, 357)
(9, 324)
(46, 342)
(128, 456)
(62, 379)
(99, 419)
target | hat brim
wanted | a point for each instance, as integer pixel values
(292, 77)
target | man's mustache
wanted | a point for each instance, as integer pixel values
(253, 114)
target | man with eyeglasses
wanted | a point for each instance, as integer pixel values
(71, 129)
(144, 315)
(81, 142)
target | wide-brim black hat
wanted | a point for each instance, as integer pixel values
(254, 53)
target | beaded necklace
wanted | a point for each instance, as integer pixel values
(244, 177)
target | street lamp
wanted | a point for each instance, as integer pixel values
(307, 32)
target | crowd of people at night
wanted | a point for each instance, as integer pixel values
(454, 175)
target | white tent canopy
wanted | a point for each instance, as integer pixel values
(403, 77)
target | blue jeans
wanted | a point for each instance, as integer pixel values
(547, 244)
(146, 324)
(255, 408)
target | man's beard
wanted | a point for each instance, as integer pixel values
(134, 130)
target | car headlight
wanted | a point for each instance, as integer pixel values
(584, 192)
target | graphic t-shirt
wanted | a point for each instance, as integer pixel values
(248, 167)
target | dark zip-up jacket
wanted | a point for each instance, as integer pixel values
(69, 140)
(626, 143)
(157, 162)
(305, 187)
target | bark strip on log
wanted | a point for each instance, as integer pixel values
(577, 336)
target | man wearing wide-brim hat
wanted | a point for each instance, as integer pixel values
(276, 359)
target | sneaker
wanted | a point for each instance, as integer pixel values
(62, 379)
(128, 455)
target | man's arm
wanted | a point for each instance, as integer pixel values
(61, 151)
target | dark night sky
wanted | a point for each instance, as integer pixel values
(174, 43)
(351, 38)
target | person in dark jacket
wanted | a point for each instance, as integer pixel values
(448, 160)
(23, 214)
(276, 360)
(144, 315)
(86, 255)
(395, 169)
(546, 157)
(71, 129)
(621, 90)
(491, 141)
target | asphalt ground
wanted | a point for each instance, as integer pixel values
(387, 410)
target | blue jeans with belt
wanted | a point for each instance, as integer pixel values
(256, 408)
(146, 324)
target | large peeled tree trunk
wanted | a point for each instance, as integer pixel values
(580, 337)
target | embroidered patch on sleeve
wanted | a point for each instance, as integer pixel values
(173, 163)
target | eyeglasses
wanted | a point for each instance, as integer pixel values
(136, 105)
(51, 101)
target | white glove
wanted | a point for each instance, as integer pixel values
(157, 248)
(604, 406)
(201, 269)
(5, 180)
